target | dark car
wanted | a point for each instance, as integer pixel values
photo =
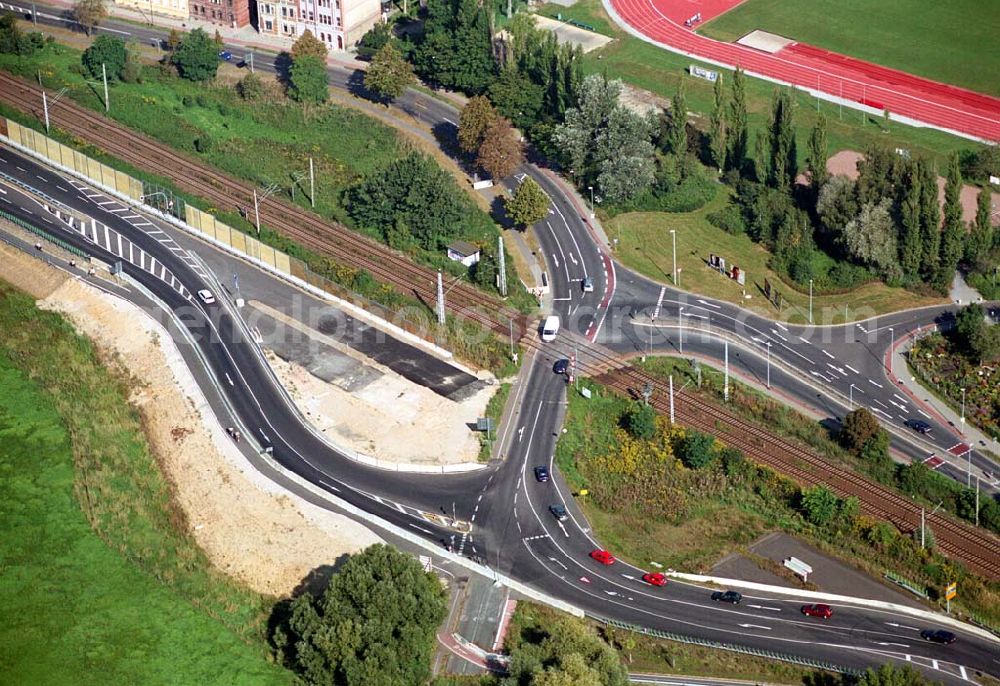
(541, 473)
(226, 56)
(818, 610)
(938, 636)
(561, 366)
(919, 425)
(727, 597)
(559, 512)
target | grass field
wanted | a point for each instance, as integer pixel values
(953, 42)
(645, 245)
(133, 601)
(659, 71)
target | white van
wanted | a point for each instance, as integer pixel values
(550, 328)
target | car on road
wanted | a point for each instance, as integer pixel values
(206, 296)
(559, 512)
(938, 636)
(919, 425)
(541, 473)
(654, 579)
(588, 285)
(561, 366)
(226, 56)
(603, 556)
(818, 610)
(727, 597)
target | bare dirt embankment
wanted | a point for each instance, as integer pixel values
(249, 527)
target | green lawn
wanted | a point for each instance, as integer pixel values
(645, 245)
(659, 71)
(953, 42)
(75, 609)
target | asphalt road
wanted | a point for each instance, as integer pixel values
(512, 529)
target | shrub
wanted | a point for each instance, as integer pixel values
(729, 219)
(859, 426)
(696, 450)
(250, 87)
(640, 421)
(203, 143)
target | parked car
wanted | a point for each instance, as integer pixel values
(541, 473)
(226, 56)
(561, 366)
(817, 610)
(919, 425)
(206, 296)
(654, 579)
(728, 597)
(559, 512)
(603, 556)
(938, 636)
(588, 285)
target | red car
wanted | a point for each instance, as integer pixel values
(818, 610)
(654, 579)
(603, 556)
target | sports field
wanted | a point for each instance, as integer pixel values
(953, 41)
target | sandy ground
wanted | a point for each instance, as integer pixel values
(249, 527)
(391, 419)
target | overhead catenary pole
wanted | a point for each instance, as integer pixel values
(440, 300)
(725, 384)
(104, 75)
(312, 183)
(680, 331)
(769, 364)
(256, 211)
(45, 109)
(810, 301)
(502, 268)
(671, 380)
(673, 252)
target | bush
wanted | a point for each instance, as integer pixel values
(640, 421)
(696, 450)
(107, 51)
(858, 428)
(203, 143)
(729, 219)
(250, 87)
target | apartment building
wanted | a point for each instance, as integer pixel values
(339, 24)
(177, 9)
(232, 13)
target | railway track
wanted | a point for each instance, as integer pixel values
(978, 549)
(332, 240)
(323, 237)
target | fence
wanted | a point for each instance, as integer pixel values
(907, 584)
(733, 647)
(43, 234)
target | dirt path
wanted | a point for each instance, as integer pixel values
(250, 528)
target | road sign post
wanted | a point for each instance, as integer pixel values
(950, 591)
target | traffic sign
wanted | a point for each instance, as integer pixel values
(951, 590)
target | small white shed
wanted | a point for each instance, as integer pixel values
(464, 252)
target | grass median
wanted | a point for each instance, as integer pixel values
(101, 584)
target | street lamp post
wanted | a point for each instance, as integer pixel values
(963, 412)
(680, 331)
(673, 240)
(810, 301)
(769, 364)
(592, 208)
(850, 397)
(892, 344)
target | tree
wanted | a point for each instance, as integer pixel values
(890, 675)
(250, 87)
(174, 39)
(217, 39)
(89, 14)
(413, 189)
(818, 155)
(675, 136)
(528, 205)
(196, 57)
(375, 38)
(308, 81)
(858, 428)
(563, 652)
(388, 75)
(875, 174)
(783, 157)
(308, 45)
(875, 456)
(930, 219)
(836, 207)
(819, 505)
(718, 126)
(501, 151)
(475, 118)
(953, 230)
(640, 421)
(696, 450)
(870, 238)
(457, 47)
(108, 51)
(11, 36)
(911, 246)
(132, 71)
(375, 623)
(969, 324)
(516, 97)
(981, 239)
(739, 140)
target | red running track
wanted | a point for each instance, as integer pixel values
(921, 100)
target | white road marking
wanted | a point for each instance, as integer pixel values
(705, 302)
(827, 354)
(781, 326)
(874, 383)
(754, 626)
(852, 369)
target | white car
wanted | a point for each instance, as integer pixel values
(206, 296)
(588, 285)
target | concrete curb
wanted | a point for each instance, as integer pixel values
(832, 597)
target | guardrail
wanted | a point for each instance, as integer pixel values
(732, 647)
(907, 584)
(42, 233)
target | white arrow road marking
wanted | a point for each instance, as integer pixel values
(552, 559)
(775, 332)
(229, 379)
(852, 369)
(897, 396)
(705, 302)
(630, 578)
(889, 643)
(765, 607)
(874, 383)
(556, 260)
(754, 626)
(612, 592)
(901, 626)
(420, 528)
(566, 533)
(573, 259)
